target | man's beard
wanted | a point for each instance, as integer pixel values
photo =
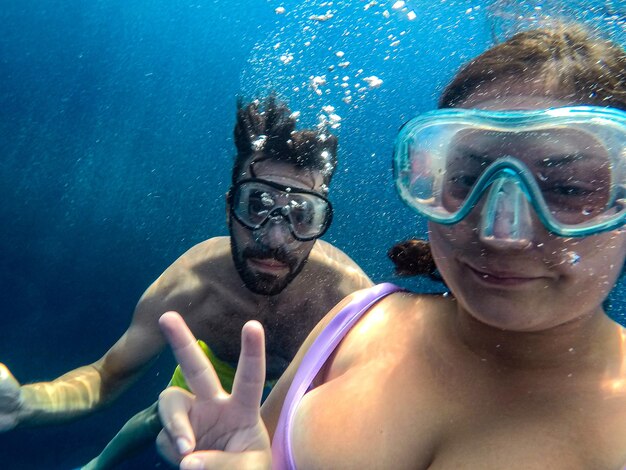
(260, 282)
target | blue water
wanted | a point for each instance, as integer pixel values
(115, 138)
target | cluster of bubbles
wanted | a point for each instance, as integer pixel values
(327, 58)
(326, 54)
(259, 143)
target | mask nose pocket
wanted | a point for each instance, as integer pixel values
(505, 217)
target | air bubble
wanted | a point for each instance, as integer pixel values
(373, 81)
(267, 200)
(259, 143)
(573, 257)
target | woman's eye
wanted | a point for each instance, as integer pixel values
(570, 191)
(571, 198)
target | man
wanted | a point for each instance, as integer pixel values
(272, 268)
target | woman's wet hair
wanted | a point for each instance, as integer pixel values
(413, 257)
(565, 62)
(266, 130)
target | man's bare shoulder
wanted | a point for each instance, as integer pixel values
(402, 318)
(192, 274)
(328, 260)
(327, 251)
(207, 250)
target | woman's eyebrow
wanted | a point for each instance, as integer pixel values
(556, 160)
(474, 153)
(482, 155)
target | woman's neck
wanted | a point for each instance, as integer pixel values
(591, 342)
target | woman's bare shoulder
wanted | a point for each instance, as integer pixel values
(370, 328)
(396, 319)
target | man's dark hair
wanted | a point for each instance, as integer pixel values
(267, 130)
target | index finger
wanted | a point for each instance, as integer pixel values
(196, 367)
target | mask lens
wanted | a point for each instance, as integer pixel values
(575, 189)
(308, 214)
(464, 166)
(254, 202)
(571, 163)
(571, 168)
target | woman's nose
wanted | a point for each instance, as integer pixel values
(506, 220)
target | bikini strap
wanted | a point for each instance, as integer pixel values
(314, 359)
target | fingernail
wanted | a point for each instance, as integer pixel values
(184, 446)
(191, 463)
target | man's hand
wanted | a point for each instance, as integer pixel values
(10, 399)
(225, 431)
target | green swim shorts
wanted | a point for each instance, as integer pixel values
(225, 372)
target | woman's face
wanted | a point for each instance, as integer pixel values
(534, 285)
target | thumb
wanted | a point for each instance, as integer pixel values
(178, 434)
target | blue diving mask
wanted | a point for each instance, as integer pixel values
(568, 164)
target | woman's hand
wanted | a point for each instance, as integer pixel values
(209, 428)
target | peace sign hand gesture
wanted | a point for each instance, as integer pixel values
(209, 428)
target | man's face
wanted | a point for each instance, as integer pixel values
(269, 258)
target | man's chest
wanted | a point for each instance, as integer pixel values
(219, 323)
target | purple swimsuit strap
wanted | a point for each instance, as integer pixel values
(313, 360)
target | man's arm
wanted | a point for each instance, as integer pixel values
(87, 388)
(139, 432)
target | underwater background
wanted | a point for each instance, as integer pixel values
(116, 143)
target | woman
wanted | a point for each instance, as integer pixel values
(520, 367)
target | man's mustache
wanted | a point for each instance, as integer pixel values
(278, 254)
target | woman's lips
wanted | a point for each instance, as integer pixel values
(501, 278)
